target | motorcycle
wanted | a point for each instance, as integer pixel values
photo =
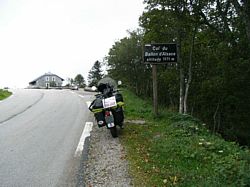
(108, 108)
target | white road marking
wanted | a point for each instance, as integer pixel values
(86, 133)
(81, 96)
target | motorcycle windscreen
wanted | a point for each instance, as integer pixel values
(108, 80)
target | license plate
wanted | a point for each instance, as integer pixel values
(111, 125)
(110, 121)
(109, 102)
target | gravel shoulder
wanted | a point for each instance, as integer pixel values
(106, 165)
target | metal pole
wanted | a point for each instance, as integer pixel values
(155, 97)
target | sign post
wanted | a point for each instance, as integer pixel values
(155, 94)
(156, 54)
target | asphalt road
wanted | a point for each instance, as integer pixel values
(39, 134)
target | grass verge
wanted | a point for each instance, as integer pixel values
(178, 150)
(4, 94)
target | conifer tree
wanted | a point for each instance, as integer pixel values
(95, 74)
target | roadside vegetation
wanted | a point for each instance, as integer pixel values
(4, 94)
(179, 150)
(210, 80)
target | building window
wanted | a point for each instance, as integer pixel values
(47, 78)
(54, 79)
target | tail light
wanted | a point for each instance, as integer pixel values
(107, 113)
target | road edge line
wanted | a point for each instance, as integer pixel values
(85, 133)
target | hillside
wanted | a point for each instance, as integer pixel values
(178, 150)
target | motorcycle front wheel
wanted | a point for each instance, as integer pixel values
(113, 131)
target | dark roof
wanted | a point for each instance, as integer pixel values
(46, 74)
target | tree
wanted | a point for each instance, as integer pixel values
(80, 81)
(125, 64)
(211, 79)
(213, 42)
(69, 82)
(243, 10)
(176, 25)
(95, 74)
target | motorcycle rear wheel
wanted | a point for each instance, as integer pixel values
(113, 132)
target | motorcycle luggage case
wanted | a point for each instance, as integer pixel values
(97, 105)
(118, 115)
(119, 99)
(100, 119)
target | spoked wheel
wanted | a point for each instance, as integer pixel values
(113, 131)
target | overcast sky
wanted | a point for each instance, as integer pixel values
(64, 37)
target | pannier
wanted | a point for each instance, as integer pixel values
(96, 105)
(97, 108)
(100, 119)
(119, 99)
(118, 115)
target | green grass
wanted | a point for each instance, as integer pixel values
(178, 150)
(4, 94)
(136, 108)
